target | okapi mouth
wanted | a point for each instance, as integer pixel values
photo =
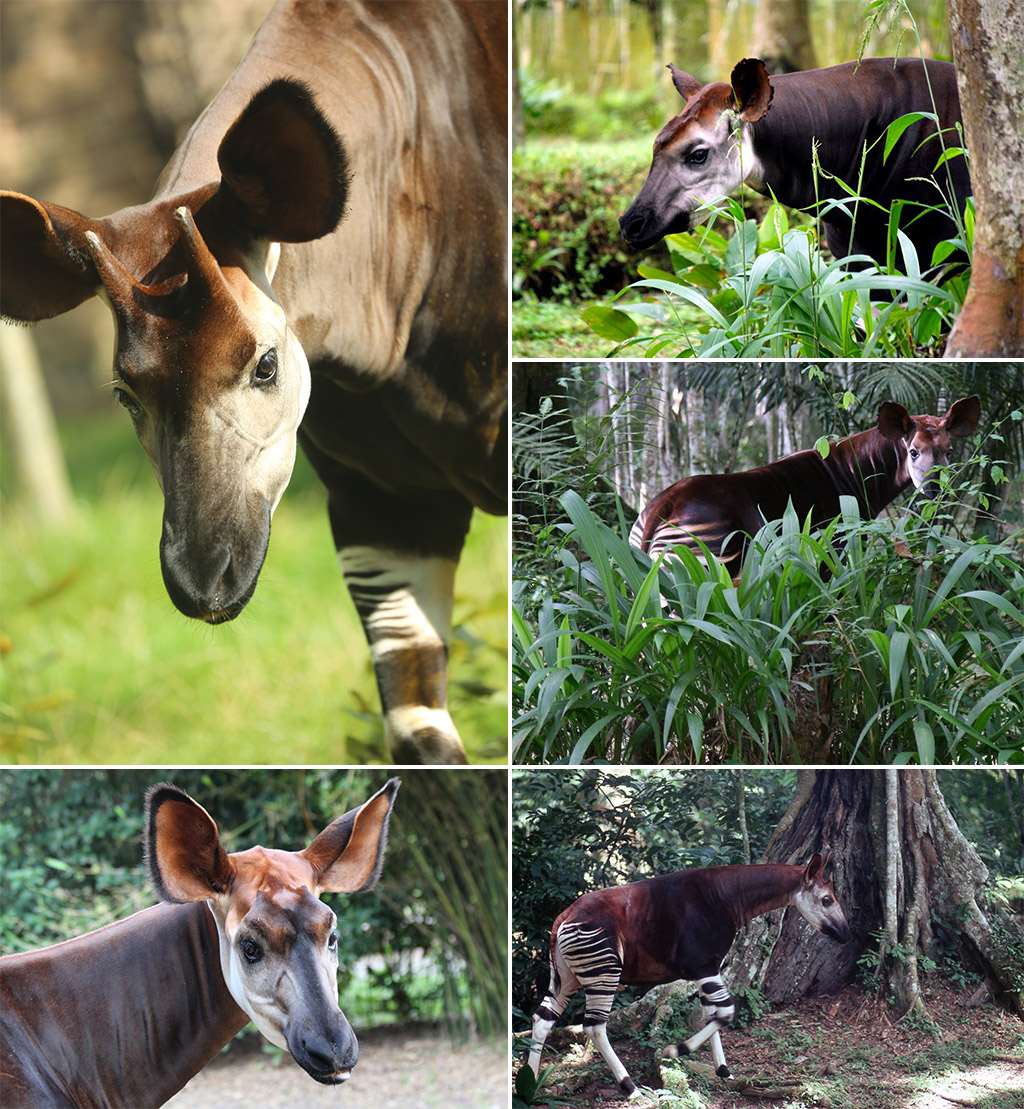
(334, 1079)
(642, 231)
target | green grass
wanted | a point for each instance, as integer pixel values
(553, 329)
(98, 667)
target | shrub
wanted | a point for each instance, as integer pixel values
(566, 204)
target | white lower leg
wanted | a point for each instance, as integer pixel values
(718, 1054)
(599, 1034)
(541, 1028)
(691, 1045)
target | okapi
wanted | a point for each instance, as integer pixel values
(126, 1015)
(324, 259)
(765, 131)
(676, 926)
(724, 510)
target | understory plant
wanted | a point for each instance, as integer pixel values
(900, 642)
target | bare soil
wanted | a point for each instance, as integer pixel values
(398, 1068)
(842, 1052)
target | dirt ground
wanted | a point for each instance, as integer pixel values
(843, 1052)
(398, 1069)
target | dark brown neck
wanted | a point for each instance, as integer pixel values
(869, 467)
(749, 891)
(130, 1013)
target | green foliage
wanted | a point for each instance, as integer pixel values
(926, 653)
(529, 1088)
(566, 204)
(767, 291)
(428, 943)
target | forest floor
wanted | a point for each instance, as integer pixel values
(399, 1068)
(842, 1052)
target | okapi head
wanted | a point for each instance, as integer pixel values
(816, 902)
(278, 940)
(205, 363)
(924, 441)
(700, 156)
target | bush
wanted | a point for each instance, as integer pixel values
(566, 204)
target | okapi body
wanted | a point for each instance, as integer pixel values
(323, 261)
(763, 130)
(126, 1015)
(724, 510)
(676, 926)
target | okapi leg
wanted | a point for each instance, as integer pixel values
(563, 985)
(399, 553)
(593, 956)
(716, 1001)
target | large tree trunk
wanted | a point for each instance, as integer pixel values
(782, 35)
(900, 862)
(987, 37)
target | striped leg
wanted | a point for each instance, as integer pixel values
(593, 954)
(399, 552)
(405, 604)
(716, 1001)
(563, 985)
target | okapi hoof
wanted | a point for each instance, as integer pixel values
(723, 1071)
(628, 1086)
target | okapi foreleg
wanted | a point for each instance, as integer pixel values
(399, 554)
(718, 1007)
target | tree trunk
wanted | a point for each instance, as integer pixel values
(782, 35)
(987, 37)
(900, 863)
(40, 475)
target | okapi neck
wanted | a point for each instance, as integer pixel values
(752, 890)
(869, 467)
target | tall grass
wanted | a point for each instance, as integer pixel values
(98, 667)
(891, 658)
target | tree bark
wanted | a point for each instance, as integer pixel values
(40, 475)
(987, 37)
(782, 35)
(899, 862)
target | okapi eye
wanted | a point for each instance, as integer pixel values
(914, 452)
(332, 940)
(251, 950)
(826, 901)
(266, 368)
(126, 400)
(698, 157)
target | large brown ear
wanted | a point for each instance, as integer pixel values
(752, 88)
(284, 174)
(45, 268)
(348, 854)
(184, 856)
(963, 416)
(814, 869)
(894, 421)
(686, 85)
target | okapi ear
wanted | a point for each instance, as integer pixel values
(284, 173)
(45, 268)
(963, 416)
(814, 869)
(348, 854)
(752, 88)
(184, 856)
(686, 85)
(894, 421)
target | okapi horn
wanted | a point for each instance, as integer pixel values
(204, 272)
(119, 285)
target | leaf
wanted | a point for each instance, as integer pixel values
(609, 323)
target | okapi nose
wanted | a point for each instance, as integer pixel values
(326, 1056)
(631, 226)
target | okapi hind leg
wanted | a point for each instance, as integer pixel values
(563, 985)
(718, 1007)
